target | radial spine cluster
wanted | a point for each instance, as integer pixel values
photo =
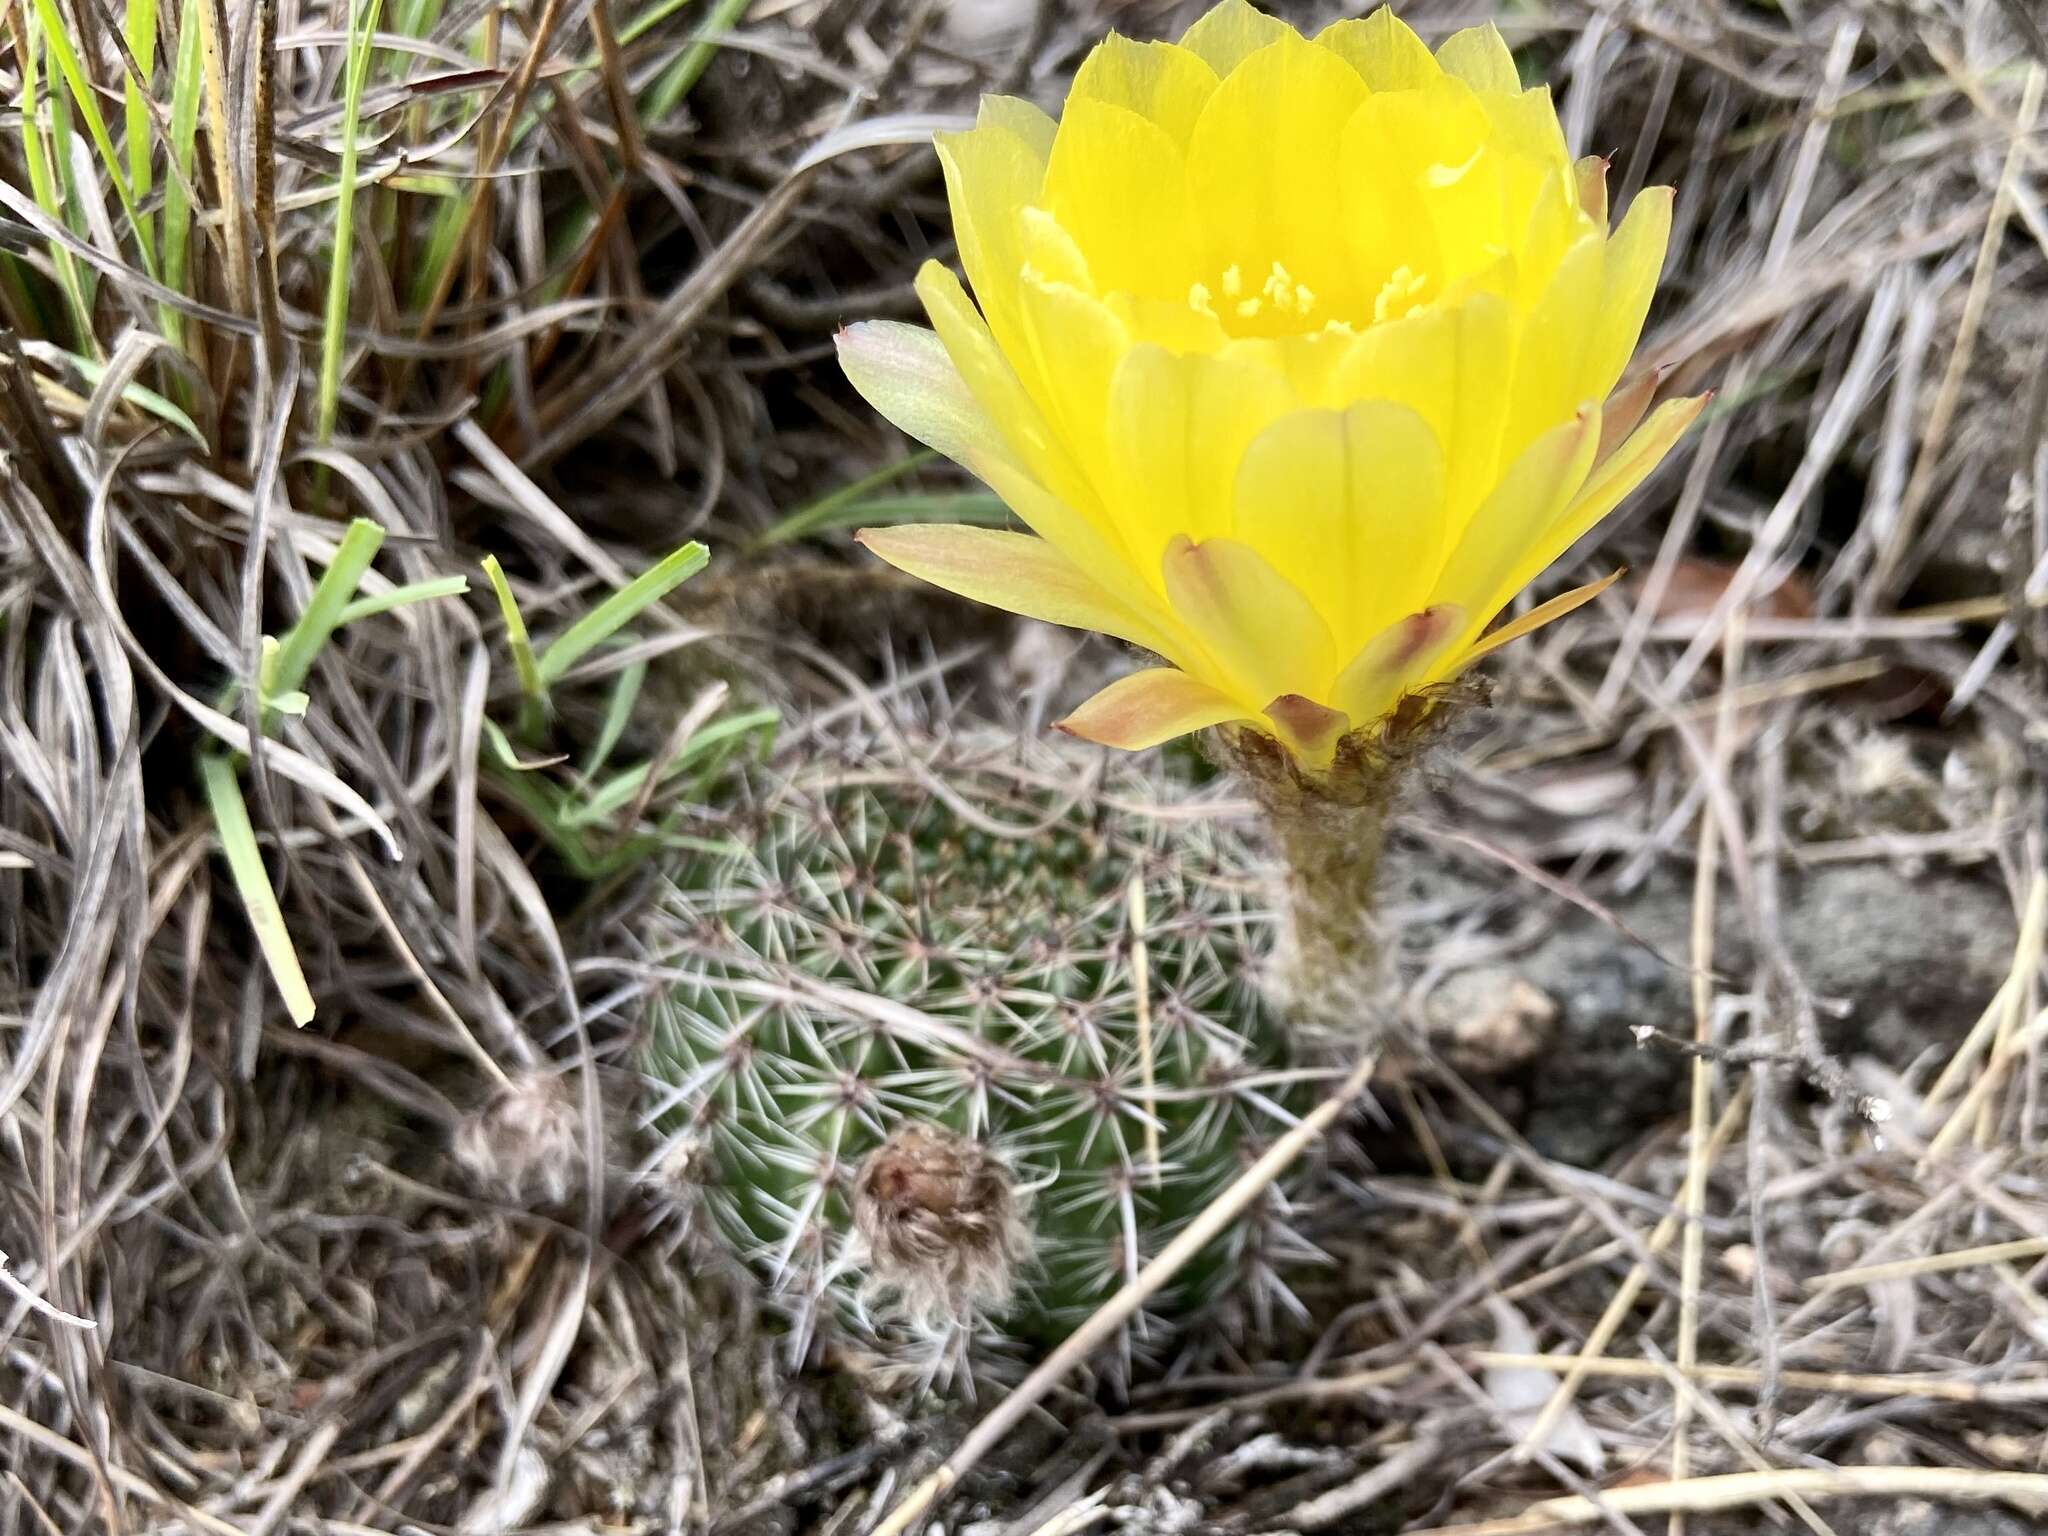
(922, 1091)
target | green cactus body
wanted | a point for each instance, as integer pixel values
(877, 960)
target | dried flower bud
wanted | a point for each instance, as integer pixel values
(940, 1222)
(525, 1146)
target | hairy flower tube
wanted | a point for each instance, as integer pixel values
(1299, 358)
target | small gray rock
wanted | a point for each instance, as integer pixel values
(1911, 958)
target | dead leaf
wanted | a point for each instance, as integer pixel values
(1698, 583)
(1520, 1391)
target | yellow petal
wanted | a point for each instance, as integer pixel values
(1527, 503)
(1231, 31)
(1417, 194)
(1591, 172)
(903, 372)
(1168, 323)
(1625, 469)
(1550, 373)
(989, 374)
(1525, 125)
(1256, 627)
(992, 170)
(1261, 167)
(1038, 479)
(1602, 492)
(1118, 185)
(1011, 571)
(1624, 411)
(1178, 427)
(1306, 364)
(1394, 660)
(1537, 617)
(1538, 186)
(1348, 506)
(1309, 730)
(1077, 342)
(1479, 56)
(1092, 545)
(1627, 466)
(1543, 203)
(1149, 707)
(1418, 362)
(1468, 210)
(1028, 121)
(1162, 83)
(1635, 258)
(1050, 252)
(1447, 365)
(1383, 49)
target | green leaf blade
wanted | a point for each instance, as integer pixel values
(620, 609)
(238, 844)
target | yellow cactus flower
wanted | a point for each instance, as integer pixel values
(1298, 358)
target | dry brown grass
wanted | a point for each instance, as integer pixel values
(250, 1290)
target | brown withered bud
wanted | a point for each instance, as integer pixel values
(525, 1146)
(941, 1224)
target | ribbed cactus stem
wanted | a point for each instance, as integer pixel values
(908, 1052)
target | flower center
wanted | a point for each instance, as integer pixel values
(1401, 294)
(1280, 302)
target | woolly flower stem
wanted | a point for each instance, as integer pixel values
(1334, 968)
(1334, 953)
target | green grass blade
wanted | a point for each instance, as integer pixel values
(88, 104)
(566, 235)
(982, 508)
(92, 371)
(22, 309)
(543, 810)
(139, 29)
(645, 22)
(64, 146)
(43, 181)
(362, 31)
(416, 18)
(592, 59)
(827, 511)
(252, 882)
(185, 94)
(331, 597)
(516, 636)
(400, 597)
(618, 792)
(637, 28)
(499, 746)
(621, 608)
(617, 713)
(667, 93)
(443, 236)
